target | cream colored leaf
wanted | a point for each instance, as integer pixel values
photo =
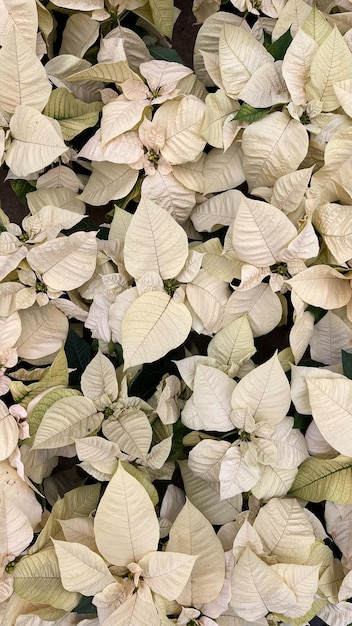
(134, 47)
(108, 181)
(206, 497)
(266, 86)
(260, 232)
(331, 64)
(120, 116)
(343, 91)
(44, 329)
(236, 475)
(257, 589)
(181, 121)
(65, 420)
(120, 223)
(334, 223)
(192, 534)
(132, 432)
(20, 494)
(59, 197)
(284, 144)
(274, 482)
(80, 529)
(60, 176)
(80, 33)
(24, 72)
(166, 573)
(292, 16)
(223, 170)
(21, 15)
(330, 400)
(208, 40)
(67, 262)
(10, 330)
(240, 54)
(125, 149)
(303, 580)
(210, 400)
(170, 194)
(126, 526)
(16, 531)
(289, 190)
(79, 5)
(262, 307)
(218, 106)
(321, 285)
(81, 569)
(291, 447)
(163, 241)
(99, 379)
(232, 343)
(316, 26)
(296, 65)
(205, 458)
(291, 538)
(208, 296)
(265, 391)
(37, 579)
(146, 338)
(330, 335)
(35, 142)
(134, 612)
(217, 211)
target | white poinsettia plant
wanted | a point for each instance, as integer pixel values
(176, 315)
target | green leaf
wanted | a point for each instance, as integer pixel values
(77, 351)
(85, 606)
(279, 47)
(247, 113)
(165, 54)
(302, 421)
(347, 364)
(21, 188)
(324, 479)
(317, 312)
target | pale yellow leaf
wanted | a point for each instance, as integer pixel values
(108, 181)
(99, 379)
(81, 569)
(37, 579)
(44, 329)
(25, 74)
(266, 86)
(131, 431)
(284, 144)
(163, 241)
(65, 420)
(208, 296)
(240, 54)
(232, 343)
(292, 16)
(223, 170)
(126, 526)
(296, 65)
(192, 534)
(120, 116)
(262, 307)
(182, 122)
(166, 573)
(16, 531)
(80, 33)
(35, 142)
(331, 64)
(146, 338)
(321, 285)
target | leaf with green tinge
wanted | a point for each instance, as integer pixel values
(44, 404)
(73, 115)
(278, 48)
(37, 579)
(247, 113)
(324, 479)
